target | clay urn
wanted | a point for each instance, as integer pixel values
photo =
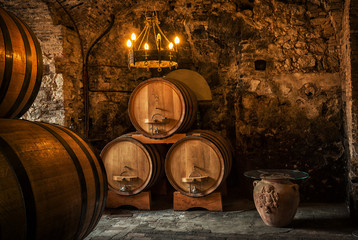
(276, 201)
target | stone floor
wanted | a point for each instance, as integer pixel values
(238, 221)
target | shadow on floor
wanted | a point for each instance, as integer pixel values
(338, 225)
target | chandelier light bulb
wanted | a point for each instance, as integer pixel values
(133, 37)
(129, 43)
(146, 46)
(176, 40)
(171, 46)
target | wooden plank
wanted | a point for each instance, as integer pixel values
(172, 139)
(212, 202)
(193, 179)
(124, 178)
(141, 201)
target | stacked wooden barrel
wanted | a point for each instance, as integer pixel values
(52, 186)
(196, 165)
(132, 166)
(159, 107)
(20, 66)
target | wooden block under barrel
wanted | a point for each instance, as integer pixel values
(212, 202)
(141, 201)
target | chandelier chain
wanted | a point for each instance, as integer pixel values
(155, 37)
(162, 33)
(145, 32)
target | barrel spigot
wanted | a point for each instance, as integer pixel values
(123, 179)
(123, 188)
(193, 179)
(156, 122)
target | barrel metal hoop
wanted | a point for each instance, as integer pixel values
(212, 144)
(8, 59)
(181, 123)
(80, 175)
(150, 157)
(27, 77)
(95, 176)
(25, 187)
(39, 72)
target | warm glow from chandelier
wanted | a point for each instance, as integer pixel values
(152, 49)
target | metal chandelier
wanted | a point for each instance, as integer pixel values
(152, 49)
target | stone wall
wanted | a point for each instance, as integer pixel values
(349, 85)
(272, 65)
(288, 114)
(282, 114)
(353, 164)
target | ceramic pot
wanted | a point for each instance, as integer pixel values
(276, 201)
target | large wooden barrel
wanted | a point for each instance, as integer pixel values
(198, 164)
(131, 165)
(52, 185)
(20, 66)
(159, 107)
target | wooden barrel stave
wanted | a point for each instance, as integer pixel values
(156, 165)
(93, 173)
(11, 196)
(21, 66)
(33, 74)
(175, 101)
(191, 106)
(128, 156)
(68, 204)
(159, 152)
(221, 142)
(208, 153)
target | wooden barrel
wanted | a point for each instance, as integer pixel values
(20, 66)
(197, 164)
(159, 107)
(52, 185)
(131, 166)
